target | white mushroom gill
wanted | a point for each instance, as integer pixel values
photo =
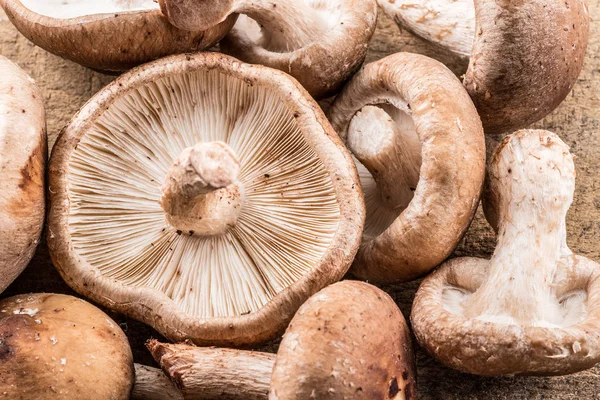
(532, 275)
(448, 23)
(287, 25)
(63, 9)
(385, 142)
(289, 211)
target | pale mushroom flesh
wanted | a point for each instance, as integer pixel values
(288, 213)
(387, 152)
(65, 9)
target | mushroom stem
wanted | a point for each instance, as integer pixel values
(213, 373)
(531, 184)
(389, 151)
(286, 25)
(153, 384)
(201, 194)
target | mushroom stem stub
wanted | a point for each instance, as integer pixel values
(379, 144)
(201, 194)
(531, 181)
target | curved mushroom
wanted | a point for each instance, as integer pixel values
(140, 172)
(54, 346)
(109, 36)
(534, 308)
(525, 56)
(320, 43)
(426, 130)
(23, 153)
(332, 347)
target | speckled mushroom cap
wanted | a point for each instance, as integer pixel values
(320, 43)
(205, 197)
(525, 56)
(107, 35)
(349, 341)
(421, 156)
(54, 346)
(23, 152)
(534, 308)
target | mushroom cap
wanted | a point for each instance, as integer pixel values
(54, 346)
(298, 230)
(23, 153)
(324, 65)
(109, 36)
(525, 59)
(525, 56)
(452, 171)
(351, 341)
(487, 348)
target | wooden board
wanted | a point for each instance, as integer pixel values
(67, 86)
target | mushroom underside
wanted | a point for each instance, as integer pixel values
(449, 24)
(566, 306)
(290, 212)
(387, 153)
(307, 22)
(65, 9)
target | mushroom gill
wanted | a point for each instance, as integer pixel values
(289, 209)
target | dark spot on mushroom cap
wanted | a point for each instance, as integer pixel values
(404, 375)
(409, 392)
(394, 389)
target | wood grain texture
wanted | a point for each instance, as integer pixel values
(67, 86)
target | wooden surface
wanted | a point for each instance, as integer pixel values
(67, 86)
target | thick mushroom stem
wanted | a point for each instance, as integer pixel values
(531, 185)
(153, 384)
(389, 151)
(286, 25)
(213, 373)
(201, 194)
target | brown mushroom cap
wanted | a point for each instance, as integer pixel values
(150, 157)
(525, 57)
(110, 36)
(320, 43)
(348, 341)
(54, 346)
(23, 153)
(534, 308)
(424, 99)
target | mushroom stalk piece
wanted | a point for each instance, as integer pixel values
(330, 347)
(23, 153)
(320, 43)
(525, 56)
(421, 158)
(204, 196)
(201, 194)
(213, 373)
(109, 35)
(534, 307)
(153, 384)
